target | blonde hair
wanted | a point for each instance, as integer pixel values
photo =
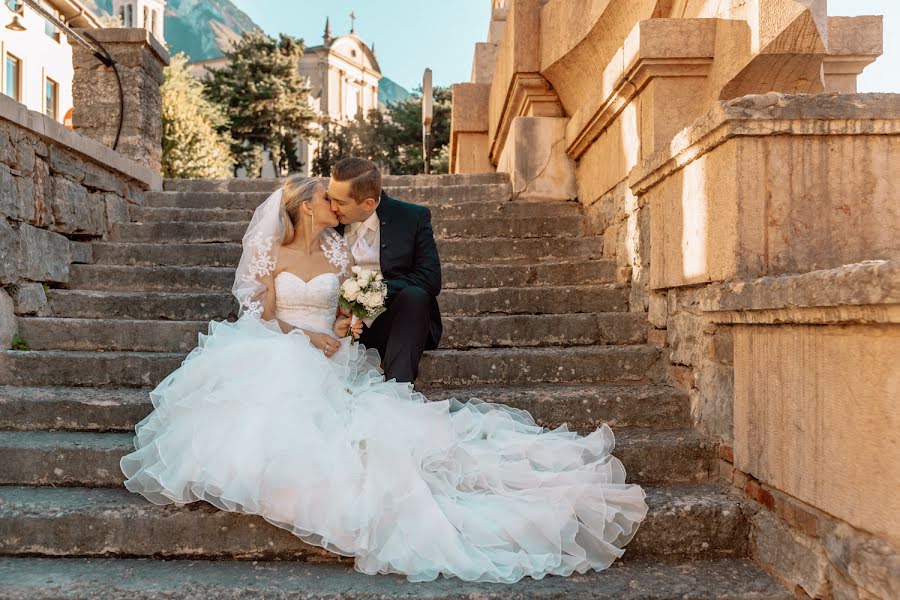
(297, 190)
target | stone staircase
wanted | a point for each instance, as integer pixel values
(533, 319)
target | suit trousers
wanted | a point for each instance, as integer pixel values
(400, 334)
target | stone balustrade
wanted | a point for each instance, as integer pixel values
(61, 188)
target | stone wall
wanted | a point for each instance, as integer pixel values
(755, 219)
(774, 273)
(58, 190)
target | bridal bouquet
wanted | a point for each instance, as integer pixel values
(363, 294)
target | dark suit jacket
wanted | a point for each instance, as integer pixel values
(409, 255)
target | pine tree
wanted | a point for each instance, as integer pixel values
(265, 99)
(192, 146)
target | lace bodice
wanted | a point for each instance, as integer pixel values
(310, 305)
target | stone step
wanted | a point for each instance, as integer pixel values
(503, 227)
(147, 579)
(492, 195)
(461, 250)
(92, 459)
(582, 408)
(692, 521)
(455, 276)
(389, 182)
(198, 306)
(481, 208)
(459, 332)
(439, 368)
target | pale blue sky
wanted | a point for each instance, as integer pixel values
(410, 35)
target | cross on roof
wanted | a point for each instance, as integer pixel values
(352, 22)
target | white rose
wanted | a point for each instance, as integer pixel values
(372, 300)
(356, 269)
(379, 277)
(365, 276)
(350, 290)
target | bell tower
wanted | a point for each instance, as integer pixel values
(148, 14)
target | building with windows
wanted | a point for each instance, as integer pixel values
(36, 65)
(142, 13)
(343, 76)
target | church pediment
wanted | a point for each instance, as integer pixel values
(352, 49)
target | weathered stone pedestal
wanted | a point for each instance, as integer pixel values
(140, 60)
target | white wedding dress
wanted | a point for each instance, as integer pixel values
(261, 422)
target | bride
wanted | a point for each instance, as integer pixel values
(281, 414)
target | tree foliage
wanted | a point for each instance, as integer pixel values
(192, 146)
(265, 100)
(392, 139)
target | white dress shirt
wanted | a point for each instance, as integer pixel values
(364, 239)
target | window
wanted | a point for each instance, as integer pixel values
(13, 87)
(146, 23)
(14, 5)
(129, 16)
(49, 28)
(51, 99)
(153, 23)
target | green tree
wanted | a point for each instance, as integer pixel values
(192, 146)
(265, 100)
(406, 119)
(391, 138)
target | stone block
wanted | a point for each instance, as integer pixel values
(9, 251)
(853, 44)
(141, 59)
(7, 150)
(75, 211)
(63, 162)
(116, 208)
(25, 157)
(81, 252)
(658, 312)
(484, 62)
(9, 200)
(796, 205)
(815, 417)
(43, 194)
(793, 556)
(25, 191)
(470, 154)
(536, 160)
(7, 320)
(99, 179)
(42, 255)
(870, 563)
(30, 299)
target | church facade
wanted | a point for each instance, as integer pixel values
(342, 74)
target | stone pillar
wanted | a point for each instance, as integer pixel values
(140, 59)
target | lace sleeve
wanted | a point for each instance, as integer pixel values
(337, 251)
(261, 244)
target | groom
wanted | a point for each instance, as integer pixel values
(395, 239)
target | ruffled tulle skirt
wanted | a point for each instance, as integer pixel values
(260, 422)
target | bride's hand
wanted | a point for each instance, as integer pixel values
(327, 344)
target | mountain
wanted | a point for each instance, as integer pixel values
(390, 92)
(199, 28)
(203, 28)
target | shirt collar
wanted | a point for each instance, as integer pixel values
(371, 223)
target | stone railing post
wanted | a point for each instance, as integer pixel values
(140, 59)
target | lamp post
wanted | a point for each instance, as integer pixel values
(427, 118)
